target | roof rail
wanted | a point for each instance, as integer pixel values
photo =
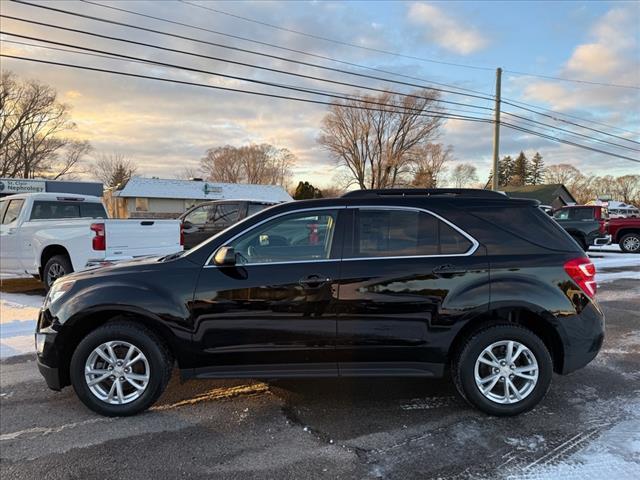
(426, 192)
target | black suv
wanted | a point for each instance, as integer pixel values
(414, 283)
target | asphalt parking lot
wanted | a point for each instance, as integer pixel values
(587, 427)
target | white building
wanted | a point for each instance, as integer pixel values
(168, 198)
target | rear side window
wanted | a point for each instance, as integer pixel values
(12, 212)
(403, 233)
(528, 223)
(581, 214)
(44, 210)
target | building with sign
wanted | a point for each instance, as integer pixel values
(168, 198)
(10, 186)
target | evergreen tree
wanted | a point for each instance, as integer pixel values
(505, 170)
(520, 174)
(305, 191)
(537, 170)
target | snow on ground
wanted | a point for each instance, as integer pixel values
(611, 264)
(18, 314)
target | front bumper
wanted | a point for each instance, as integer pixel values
(51, 376)
(606, 240)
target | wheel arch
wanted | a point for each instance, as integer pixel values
(48, 252)
(80, 326)
(623, 231)
(538, 322)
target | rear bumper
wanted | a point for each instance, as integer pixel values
(583, 335)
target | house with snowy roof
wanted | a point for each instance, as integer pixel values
(167, 198)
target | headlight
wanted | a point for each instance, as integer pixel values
(58, 289)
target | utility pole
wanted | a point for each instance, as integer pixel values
(495, 181)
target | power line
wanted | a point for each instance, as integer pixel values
(276, 57)
(568, 142)
(570, 131)
(244, 64)
(337, 42)
(284, 97)
(280, 47)
(423, 112)
(218, 87)
(355, 65)
(573, 80)
(401, 55)
(570, 122)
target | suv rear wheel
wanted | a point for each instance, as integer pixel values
(503, 370)
(120, 369)
(630, 243)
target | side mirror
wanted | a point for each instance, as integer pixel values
(225, 257)
(187, 225)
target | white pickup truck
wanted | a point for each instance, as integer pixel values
(49, 235)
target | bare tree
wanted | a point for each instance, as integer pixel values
(562, 173)
(429, 164)
(32, 123)
(257, 164)
(628, 188)
(114, 169)
(374, 142)
(464, 174)
(189, 173)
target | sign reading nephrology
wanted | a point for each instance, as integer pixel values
(20, 185)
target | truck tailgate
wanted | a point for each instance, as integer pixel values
(135, 238)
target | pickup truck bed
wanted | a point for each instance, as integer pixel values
(47, 248)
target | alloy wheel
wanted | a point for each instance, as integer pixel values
(117, 372)
(55, 272)
(506, 372)
(632, 244)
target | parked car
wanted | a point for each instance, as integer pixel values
(626, 233)
(587, 224)
(49, 235)
(209, 218)
(412, 283)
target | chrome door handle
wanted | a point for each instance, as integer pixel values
(314, 281)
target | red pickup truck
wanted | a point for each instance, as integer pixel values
(590, 225)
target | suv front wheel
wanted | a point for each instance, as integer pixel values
(120, 369)
(503, 370)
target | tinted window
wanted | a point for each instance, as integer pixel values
(394, 233)
(226, 214)
(255, 208)
(562, 214)
(294, 237)
(200, 215)
(13, 211)
(581, 214)
(92, 210)
(43, 210)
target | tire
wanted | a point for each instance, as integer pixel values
(464, 370)
(56, 267)
(120, 335)
(630, 243)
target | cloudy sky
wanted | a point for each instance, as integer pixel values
(166, 127)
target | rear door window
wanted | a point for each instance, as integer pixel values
(226, 214)
(581, 214)
(405, 233)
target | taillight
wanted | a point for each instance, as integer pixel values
(182, 235)
(583, 272)
(99, 241)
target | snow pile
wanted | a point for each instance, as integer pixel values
(18, 315)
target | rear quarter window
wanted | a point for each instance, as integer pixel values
(529, 224)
